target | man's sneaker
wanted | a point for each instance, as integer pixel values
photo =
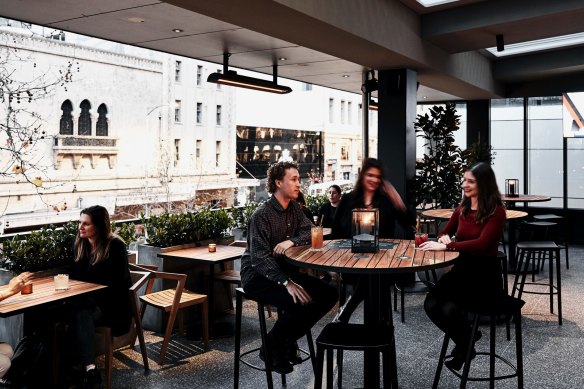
(293, 353)
(279, 364)
(91, 379)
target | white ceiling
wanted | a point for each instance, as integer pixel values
(323, 40)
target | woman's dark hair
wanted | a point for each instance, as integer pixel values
(277, 172)
(369, 163)
(301, 199)
(101, 222)
(489, 196)
(336, 187)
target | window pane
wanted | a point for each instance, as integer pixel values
(509, 164)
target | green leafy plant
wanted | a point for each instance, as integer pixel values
(314, 202)
(212, 223)
(126, 231)
(439, 173)
(242, 215)
(170, 229)
(478, 152)
(45, 249)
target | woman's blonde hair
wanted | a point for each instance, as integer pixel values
(103, 231)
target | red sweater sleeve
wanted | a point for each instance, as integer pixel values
(480, 238)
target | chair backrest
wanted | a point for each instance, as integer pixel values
(154, 275)
(238, 243)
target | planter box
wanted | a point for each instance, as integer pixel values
(10, 327)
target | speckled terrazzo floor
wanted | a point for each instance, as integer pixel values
(553, 354)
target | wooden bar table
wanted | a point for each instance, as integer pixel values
(395, 256)
(202, 255)
(44, 292)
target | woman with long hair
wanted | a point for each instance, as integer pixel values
(475, 229)
(372, 190)
(327, 212)
(101, 258)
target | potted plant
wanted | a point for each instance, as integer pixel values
(440, 171)
(241, 216)
(314, 202)
(128, 233)
(44, 250)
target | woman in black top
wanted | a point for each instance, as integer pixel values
(371, 191)
(326, 213)
(101, 258)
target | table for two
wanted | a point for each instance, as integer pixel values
(202, 256)
(395, 256)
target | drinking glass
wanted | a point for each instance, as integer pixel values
(316, 235)
(420, 238)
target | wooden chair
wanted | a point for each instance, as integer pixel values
(106, 343)
(173, 301)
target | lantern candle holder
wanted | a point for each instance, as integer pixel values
(365, 236)
(512, 187)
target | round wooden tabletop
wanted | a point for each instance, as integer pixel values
(401, 258)
(525, 198)
(447, 213)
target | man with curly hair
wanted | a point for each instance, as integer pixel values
(274, 227)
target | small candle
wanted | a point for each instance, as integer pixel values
(212, 247)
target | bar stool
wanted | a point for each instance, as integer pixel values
(526, 251)
(239, 356)
(355, 337)
(504, 306)
(415, 287)
(561, 237)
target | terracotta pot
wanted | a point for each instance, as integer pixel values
(27, 289)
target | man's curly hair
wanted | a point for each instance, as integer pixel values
(277, 172)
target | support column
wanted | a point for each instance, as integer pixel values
(478, 121)
(396, 144)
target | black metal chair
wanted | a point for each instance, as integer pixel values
(505, 306)
(239, 356)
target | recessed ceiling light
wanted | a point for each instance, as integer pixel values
(424, 97)
(282, 59)
(539, 44)
(177, 30)
(432, 3)
(136, 20)
(346, 76)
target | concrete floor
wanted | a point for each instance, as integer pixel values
(553, 354)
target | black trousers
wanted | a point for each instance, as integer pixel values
(296, 319)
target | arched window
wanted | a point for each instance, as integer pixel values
(66, 124)
(84, 118)
(101, 126)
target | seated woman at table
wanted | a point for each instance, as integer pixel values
(101, 258)
(305, 210)
(15, 285)
(476, 278)
(327, 212)
(371, 191)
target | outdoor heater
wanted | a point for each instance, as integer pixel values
(365, 236)
(512, 187)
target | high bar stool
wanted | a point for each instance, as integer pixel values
(415, 287)
(356, 337)
(239, 356)
(504, 306)
(526, 251)
(562, 238)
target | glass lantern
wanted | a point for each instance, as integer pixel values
(365, 236)
(511, 187)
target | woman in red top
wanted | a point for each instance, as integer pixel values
(477, 224)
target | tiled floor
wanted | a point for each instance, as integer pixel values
(553, 354)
